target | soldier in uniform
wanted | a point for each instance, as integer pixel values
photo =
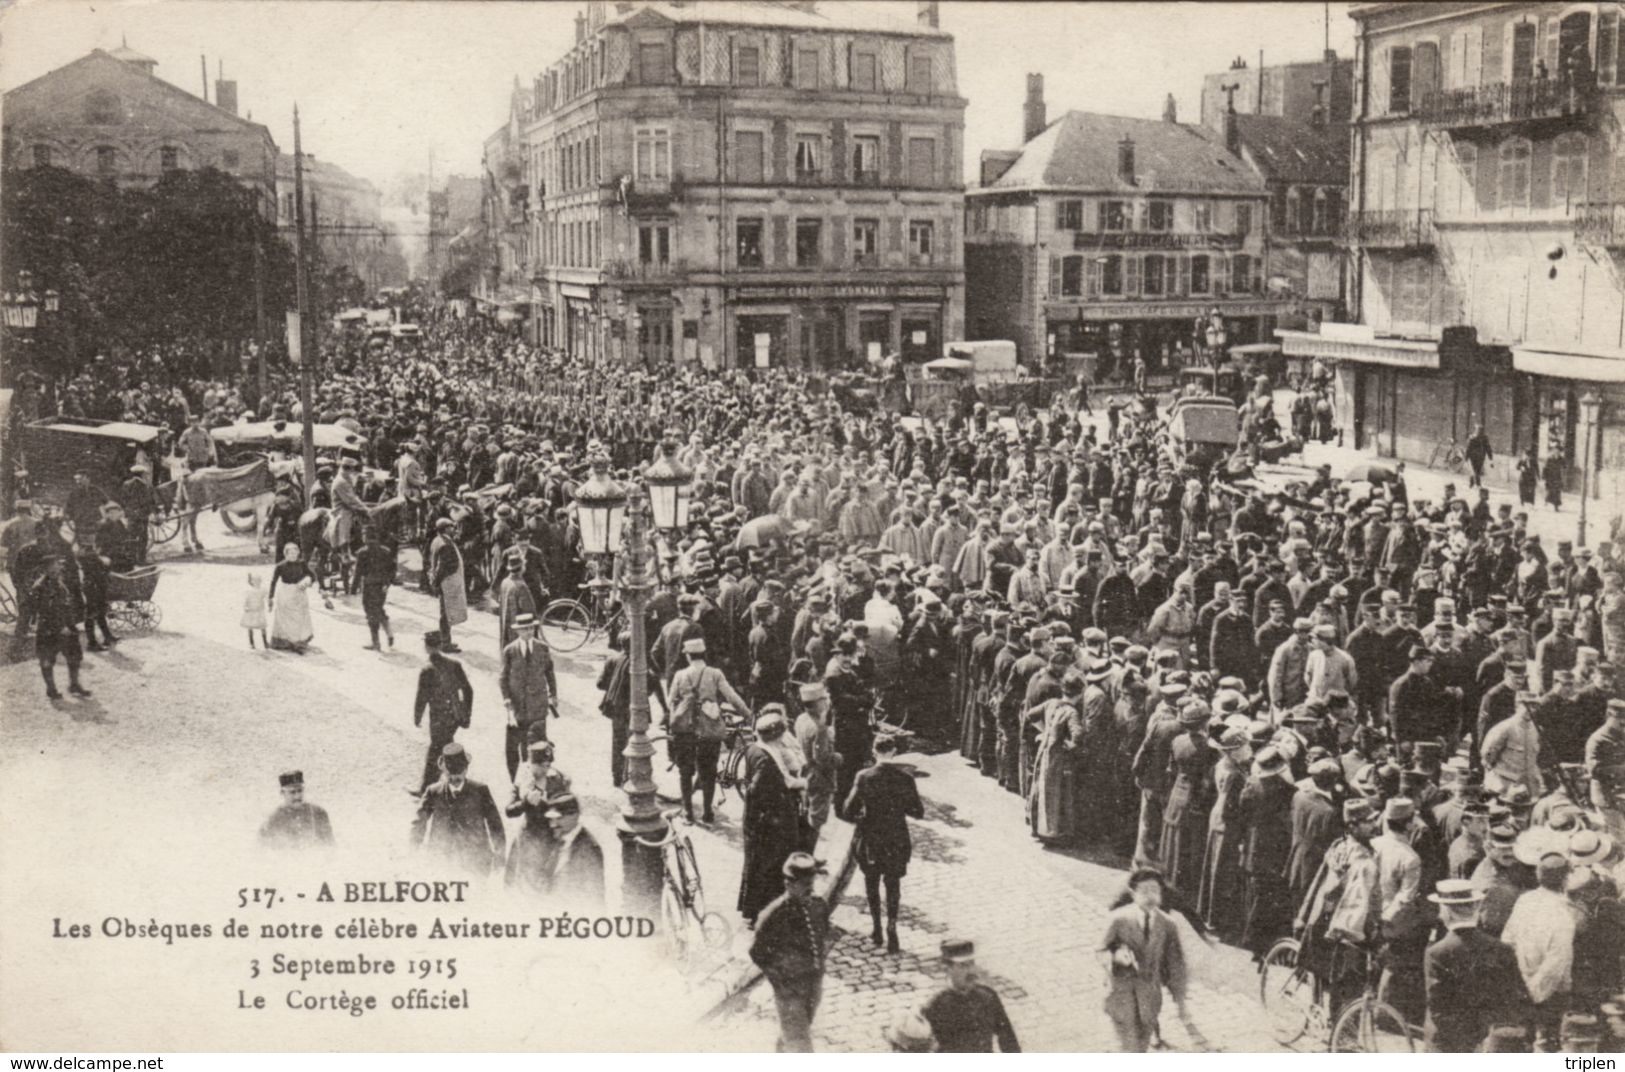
(792, 938)
(375, 572)
(457, 818)
(967, 1016)
(296, 823)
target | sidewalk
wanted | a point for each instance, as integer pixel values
(1035, 916)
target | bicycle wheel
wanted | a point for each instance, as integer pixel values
(566, 625)
(674, 922)
(1287, 993)
(1371, 1026)
(688, 870)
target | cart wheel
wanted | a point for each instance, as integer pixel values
(240, 522)
(148, 615)
(8, 605)
(163, 528)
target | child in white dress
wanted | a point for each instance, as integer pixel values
(254, 611)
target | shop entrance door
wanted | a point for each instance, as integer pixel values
(874, 336)
(760, 341)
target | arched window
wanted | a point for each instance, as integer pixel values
(1568, 169)
(1514, 157)
(1522, 60)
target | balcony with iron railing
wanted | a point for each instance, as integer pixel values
(1394, 228)
(1505, 103)
(1601, 224)
(635, 271)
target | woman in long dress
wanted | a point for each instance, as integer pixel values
(289, 600)
(1051, 804)
(775, 777)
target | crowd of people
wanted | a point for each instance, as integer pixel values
(1328, 710)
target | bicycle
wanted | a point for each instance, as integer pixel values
(569, 623)
(1297, 1004)
(687, 924)
(731, 764)
(1447, 456)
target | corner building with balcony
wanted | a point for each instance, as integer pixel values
(1104, 235)
(1486, 234)
(743, 184)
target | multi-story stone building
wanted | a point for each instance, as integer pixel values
(349, 218)
(1310, 92)
(1296, 136)
(108, 116)
(1487, 201)
(1110, 236)
(739, 184)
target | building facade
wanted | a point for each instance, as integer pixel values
(1487, 230)
(1108, 236)
(108, 116)
(1308, 92)
(753, 184)
(349, 219)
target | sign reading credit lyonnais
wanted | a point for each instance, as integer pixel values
(1153, 240)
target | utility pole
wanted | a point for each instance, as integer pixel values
(315, 282)
(259, 305)
(302, 289)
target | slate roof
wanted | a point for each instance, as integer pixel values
(1079, 151)
(1288, 151)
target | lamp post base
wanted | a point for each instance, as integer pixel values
(641, 874)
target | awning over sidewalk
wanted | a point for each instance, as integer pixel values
(1401, 353)
(1595, 367)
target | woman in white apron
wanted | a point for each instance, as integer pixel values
(289, 600)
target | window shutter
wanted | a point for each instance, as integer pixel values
(1100, 215)
(1054, 276)
(1379, 80)
(894, 229)
(1131, 272)
(1219, 273)
(1091, 277)
(1060, 215)
(1549, 47)
(1607, 46)
(1181, 274)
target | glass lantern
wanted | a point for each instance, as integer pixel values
(53, 301)
(671, 489)
(600, 510)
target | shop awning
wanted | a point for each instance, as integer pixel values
(1400, 353)
(1595, 367)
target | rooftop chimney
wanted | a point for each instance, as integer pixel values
(1232, 135)
(1125, 160)
(581, 27)
(1170, 110)
(1032, 113)
(928, 15)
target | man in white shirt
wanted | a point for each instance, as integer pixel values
(1541, 933)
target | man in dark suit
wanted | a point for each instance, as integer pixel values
(446, 580)
(575, 870)
(444, 690)
(458, 820)
(1142, 954)
(1473, 980)
(1419, 708)
(1266, 817)
(530, 690)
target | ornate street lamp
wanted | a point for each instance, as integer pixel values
(53, 301)
(671, 487)
(600, 510)
(1590, 411)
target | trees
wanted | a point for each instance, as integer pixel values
(142, 266)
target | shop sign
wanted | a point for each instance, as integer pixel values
(1177, 310)
(836, 290)
(1154, 240)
